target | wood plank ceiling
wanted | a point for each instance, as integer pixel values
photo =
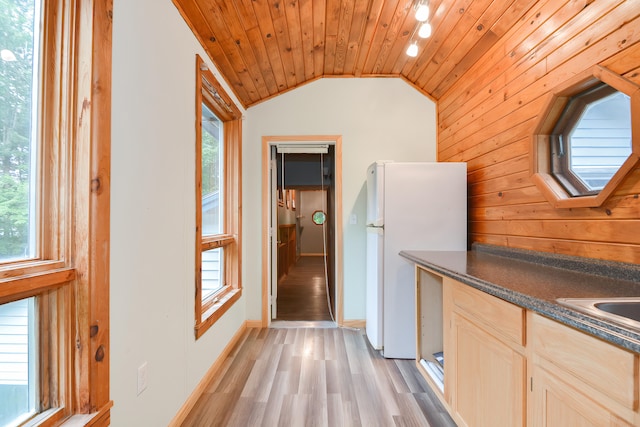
(266, 47)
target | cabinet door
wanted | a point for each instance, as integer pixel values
(489, 378)
(555, 403)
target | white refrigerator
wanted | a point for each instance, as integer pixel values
(410, 206)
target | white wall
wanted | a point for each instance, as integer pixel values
(152, 198)
(379, 119)
(153, 217)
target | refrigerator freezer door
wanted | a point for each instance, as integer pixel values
(375, 195)
(374, 312)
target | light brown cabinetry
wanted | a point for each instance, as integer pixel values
(506, 366)
(577, 379)
(486, 379)
(287, 256)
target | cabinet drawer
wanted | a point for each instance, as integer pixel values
(603, 366)
(502, 318)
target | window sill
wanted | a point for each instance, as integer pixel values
(96, 419)
(216, 311)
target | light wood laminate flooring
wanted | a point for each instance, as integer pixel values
(315, 377)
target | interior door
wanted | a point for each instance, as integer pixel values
(273, 235)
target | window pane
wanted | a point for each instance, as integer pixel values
(212, 173)
(17, 361)
(212, 271)
(601, 140)
(18, 76)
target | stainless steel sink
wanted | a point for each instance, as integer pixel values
(624, 311)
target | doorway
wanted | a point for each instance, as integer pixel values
(302, 260)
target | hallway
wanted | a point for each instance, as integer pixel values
(302, 293)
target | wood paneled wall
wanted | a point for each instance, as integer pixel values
(487, 118)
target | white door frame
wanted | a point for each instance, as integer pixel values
(267, 143)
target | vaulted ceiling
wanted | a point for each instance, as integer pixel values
(266, 47)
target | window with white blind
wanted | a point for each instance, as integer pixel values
(592, 139)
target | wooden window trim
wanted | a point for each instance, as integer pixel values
(70, 276)
(210, 92)
(540, 165)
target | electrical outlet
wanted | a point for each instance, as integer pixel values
(142, 377)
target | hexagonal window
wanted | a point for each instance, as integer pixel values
(587, 139)
(591, 140)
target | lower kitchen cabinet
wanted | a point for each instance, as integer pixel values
(489, 378)
(488, 367)
(558, 403)
(577, 379)
(506, 366)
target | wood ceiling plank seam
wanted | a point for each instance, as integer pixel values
(199, 25)
(479, 146)
(564, 228)
(356, 33)
(395, 26)
(384, 20)
(517, 10)
(262, 56)
(445, 20)
(370, 24)
(329, 55)
(319, 19)
(473, 46)
(536, 41)
(515, 13)
(224, 38)
(397, 54)
(342, 36)
(331, 33)
(625, 62)
(512, 180)
(242, 45)
(244, 9)
(307, 28)
(620, 207)
(249, 21)
(486, 126)
(294, 26)
(504, 161)
(594, 54)
(279, 20)
(521, 139)
(463, 25)
(495, 170)
(464, 65)
(633, 76)
(520, 120)
(263, 14)
(500, 63)
(592, 32)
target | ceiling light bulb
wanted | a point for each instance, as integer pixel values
(422, 12)
(7, 55)
(425, 30)
(412, 50)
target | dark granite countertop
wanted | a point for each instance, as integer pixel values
(534, 280)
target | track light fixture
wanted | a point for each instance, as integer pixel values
(422, 11)
(423, 28)
(412, 50)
